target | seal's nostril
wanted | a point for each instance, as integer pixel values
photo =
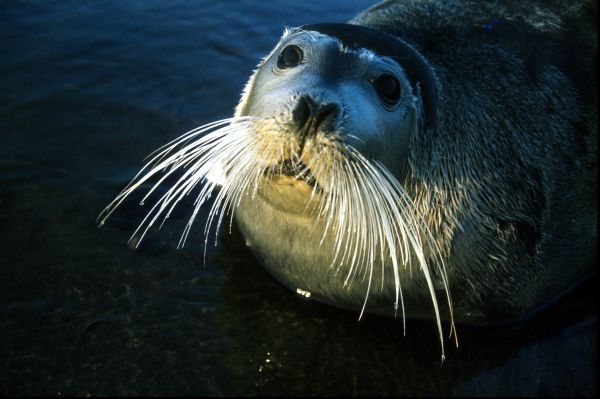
(325, 116)
(302, 111)
(309, 115)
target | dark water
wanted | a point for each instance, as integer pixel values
(87, 89)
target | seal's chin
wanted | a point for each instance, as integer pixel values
(291, 186)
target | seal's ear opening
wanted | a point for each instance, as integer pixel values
(414, 64)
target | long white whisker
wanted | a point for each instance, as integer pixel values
(392, 218)
(364, 211)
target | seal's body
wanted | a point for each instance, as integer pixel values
(426, 153)
(504, 177)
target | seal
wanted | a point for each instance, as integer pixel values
(434, 158)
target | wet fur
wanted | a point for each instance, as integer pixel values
(505, 180)
(508, 177)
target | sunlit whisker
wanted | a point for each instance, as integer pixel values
(364, 211)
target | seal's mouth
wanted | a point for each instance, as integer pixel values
(297, 170)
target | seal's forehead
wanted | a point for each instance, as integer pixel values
(323, 39)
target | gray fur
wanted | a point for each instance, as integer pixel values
(506, 179)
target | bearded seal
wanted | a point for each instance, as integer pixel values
(436, 158)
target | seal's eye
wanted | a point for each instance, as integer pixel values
(290, 57)
(388, 88)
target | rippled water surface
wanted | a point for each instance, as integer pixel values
(87, 89)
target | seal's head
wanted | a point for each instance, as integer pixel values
(325, 86)
(319, 93)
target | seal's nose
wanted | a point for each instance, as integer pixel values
(310, 116)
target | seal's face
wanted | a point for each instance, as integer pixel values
(319, 97)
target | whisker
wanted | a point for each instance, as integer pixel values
(364, 211)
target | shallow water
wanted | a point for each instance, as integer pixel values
(90, 88)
